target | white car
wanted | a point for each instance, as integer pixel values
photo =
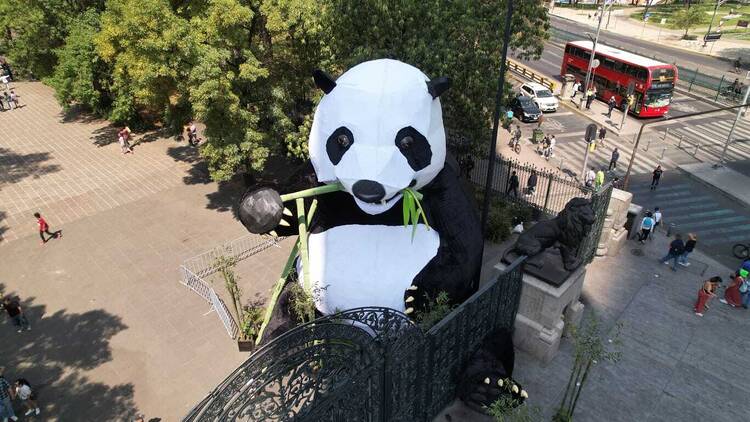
(542, 96)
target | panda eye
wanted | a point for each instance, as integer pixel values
(338, 144)
(343, 141)
(414, 147)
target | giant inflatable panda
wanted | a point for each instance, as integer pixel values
(378, 130)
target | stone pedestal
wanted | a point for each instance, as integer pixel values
(614, 233)
(545, 312)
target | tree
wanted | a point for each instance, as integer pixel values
(33, 29)
(687, 18)
(81, 77)
(462, 40)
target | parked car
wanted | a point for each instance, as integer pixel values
(541, 95)
(525, 109)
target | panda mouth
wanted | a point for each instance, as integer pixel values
(378, 207)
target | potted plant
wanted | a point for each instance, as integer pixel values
(249, 317)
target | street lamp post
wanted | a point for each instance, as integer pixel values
(496, 121)
(716, 8)
(593, 50)
(626, 179)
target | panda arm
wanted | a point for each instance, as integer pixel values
(456, 266)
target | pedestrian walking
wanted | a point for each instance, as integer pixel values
(192, 134)
(6, 394)
(657, 218)
(646, 225)
(590, 94)
(689, 246)
(513, 184)
(611, 104)
(8, 101)
(676, 248)
(656, 176)
(28, 396)
(589, 178)
(44, 228)
(5, 80)
(613, 159)
(576, 88)
(599, 179)
(704, 295)
(531, 183)
(14, 99)
(732, 295)
(602, 135)
(16, 314)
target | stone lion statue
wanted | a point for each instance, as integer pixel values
(567, 230)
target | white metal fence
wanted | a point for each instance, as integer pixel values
(195, 269)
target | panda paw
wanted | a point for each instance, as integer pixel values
(261, 211)
(416, 300)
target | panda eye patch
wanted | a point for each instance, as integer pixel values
(414, 146)
(338, 143)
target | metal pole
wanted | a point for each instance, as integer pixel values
(626, 179)
(498, 100)
(625, 113)
(591, 59)
(731, 131)
(585, 159)
(609, 15)
(716, 8)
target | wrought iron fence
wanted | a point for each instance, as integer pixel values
(365, 364)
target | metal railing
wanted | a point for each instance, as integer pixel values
(364, 364)
(530, 74)
(195, 269)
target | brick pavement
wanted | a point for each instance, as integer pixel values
(114, 333)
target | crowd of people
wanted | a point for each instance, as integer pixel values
(8, 97)
(736, 294)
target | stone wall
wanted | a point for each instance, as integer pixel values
(614, 233)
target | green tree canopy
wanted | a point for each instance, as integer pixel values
(687, 18)
(242, 67)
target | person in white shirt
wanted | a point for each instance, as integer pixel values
(590, 177)
(657, 218)
(27, 396)
(576, 88)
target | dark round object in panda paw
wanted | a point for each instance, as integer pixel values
(261, 210)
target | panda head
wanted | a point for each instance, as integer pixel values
(378, 130)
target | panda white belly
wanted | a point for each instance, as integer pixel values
(359, 265)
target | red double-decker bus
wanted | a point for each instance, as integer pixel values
(654, 81)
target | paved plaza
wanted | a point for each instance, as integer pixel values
(114, 333)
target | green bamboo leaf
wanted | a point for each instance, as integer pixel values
(405, 208)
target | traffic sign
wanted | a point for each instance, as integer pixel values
(631, 88)
(591, 130)
(714, 36)
(595, 63)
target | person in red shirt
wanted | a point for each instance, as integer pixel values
(44, 228)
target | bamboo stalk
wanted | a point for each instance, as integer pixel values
(319, 190)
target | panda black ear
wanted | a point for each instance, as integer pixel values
(324, 81)
(437, 86)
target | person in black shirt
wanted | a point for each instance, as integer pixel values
(513, 184)
(531, 184)
(16, 314)
(656, 176)
(689, 246)
(676, 248)
(613, 160)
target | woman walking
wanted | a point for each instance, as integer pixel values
(732, 292)
(689, 246)
(27, 396)
(704, 295)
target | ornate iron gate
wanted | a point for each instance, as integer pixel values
(365, 364)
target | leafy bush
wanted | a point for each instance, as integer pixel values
(253, 320)
(501, 217)
(436, 311)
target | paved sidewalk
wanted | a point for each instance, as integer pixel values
(676, 366)
(114, 332)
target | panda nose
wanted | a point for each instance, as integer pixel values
(368, 191)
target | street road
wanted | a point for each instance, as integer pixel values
(685, 58)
